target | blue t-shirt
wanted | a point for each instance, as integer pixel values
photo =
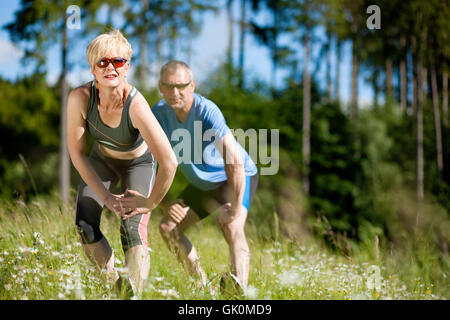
(192, 141)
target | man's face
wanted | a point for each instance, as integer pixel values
(177, 88)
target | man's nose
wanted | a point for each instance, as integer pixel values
(175, 90)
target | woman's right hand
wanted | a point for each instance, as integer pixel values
(112, 202)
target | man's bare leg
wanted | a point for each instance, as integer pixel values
(238, 247)
(179, 244)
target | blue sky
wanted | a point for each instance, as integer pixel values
(209, 51)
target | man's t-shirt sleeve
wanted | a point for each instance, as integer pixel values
(156, 112)
(215, 121)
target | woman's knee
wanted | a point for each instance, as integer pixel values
(133, 231)
(87, 220)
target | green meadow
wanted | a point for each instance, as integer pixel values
(41, 258)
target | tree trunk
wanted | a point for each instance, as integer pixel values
(414, 76)
(414, 93)
(189, 51)
(242, 44)
(159, 41)
(437, 122)
(328, 66)
(64, 161)
(275, 50)
(354, 101)
(354, 93)
(420, 103)
(388, 63)
(230, 34)
(403, 89)
(143, 46)
(445, 97)
(338, 69)
(376, 89)
(306, 112)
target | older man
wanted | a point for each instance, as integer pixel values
(220, 172)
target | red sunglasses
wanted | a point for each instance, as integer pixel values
(116, 62)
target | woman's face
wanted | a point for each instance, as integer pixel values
(110, 75)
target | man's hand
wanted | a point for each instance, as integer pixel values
(136, 203)
(176, 210)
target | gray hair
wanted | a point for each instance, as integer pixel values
(175, 64)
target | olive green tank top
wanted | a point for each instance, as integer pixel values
(122, 138)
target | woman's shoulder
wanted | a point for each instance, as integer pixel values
(138, 99)
(139, 105)
(79, 99)
(81, 93)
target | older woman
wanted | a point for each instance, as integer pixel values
(128, 144)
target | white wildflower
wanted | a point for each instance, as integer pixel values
(251, 292)
(122, 271)
(360, 296)
(169, 292)
(24, 249)
(290, 278)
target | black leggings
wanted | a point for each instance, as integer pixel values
(136, 174)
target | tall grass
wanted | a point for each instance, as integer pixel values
(41, 258)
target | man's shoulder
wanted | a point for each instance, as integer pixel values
(160, 104)
(205, 105)
(159, 107)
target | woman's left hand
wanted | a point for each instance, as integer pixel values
(136, 203)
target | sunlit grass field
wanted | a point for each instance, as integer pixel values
(41, 258)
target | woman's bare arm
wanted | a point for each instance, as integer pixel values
(76, 141)
(156, 139)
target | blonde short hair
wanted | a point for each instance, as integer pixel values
(105, 44)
